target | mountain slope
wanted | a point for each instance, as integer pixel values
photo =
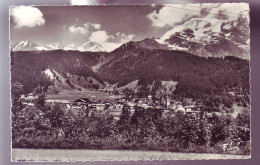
(211, 37)
(29, 68)
(69, 81)
(123, 51)
(133, 49)
(206, 75)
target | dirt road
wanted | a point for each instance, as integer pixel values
(110, 155)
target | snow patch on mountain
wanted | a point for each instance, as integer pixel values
(49, 73)
(177, 47)
(54, 46)
(92, 47)
(196, 29)
(42, 48)
(70, 47)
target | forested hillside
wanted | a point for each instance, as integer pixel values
(196, 75)
(27, 67)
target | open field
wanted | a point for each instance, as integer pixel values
(71, 95)
(110, 155)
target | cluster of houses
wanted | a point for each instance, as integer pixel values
(116, 106)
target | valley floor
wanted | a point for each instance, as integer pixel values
(72, 95)
(111, 155)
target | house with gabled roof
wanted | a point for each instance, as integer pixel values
(97, 105)
(130, 106)
(82, 101)
(108, 105)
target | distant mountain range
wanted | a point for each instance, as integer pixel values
(30, 46)
(25, 46)
(198, 36)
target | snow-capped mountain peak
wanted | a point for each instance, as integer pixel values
(201, 36)
(27, 42)
(92, 47)
(196, 29)
(25, 46)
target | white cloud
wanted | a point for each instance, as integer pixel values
(96, 34)
(231, 10)
(110, 46)
(235, 8)
(96, 26)
(124, 38)
(85, 29)
(169, 15)
(100, 36)
(223, 10)
(26, 16)
(173, 14)
(92, 26)
(81, 30)
(103, 38)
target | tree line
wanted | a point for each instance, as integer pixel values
(50, 126)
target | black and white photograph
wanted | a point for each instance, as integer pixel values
(130, 82)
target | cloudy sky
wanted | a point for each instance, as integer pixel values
(109, 25)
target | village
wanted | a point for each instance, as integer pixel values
(115, 105)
